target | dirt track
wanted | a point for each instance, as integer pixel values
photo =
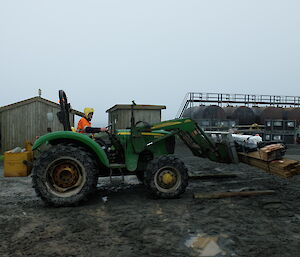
(131, 224)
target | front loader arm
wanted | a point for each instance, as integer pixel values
(196, 140)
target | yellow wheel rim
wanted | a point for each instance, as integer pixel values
(168, 178)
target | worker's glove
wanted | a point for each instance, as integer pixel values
(103, 129)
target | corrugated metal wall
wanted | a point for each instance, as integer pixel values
(121, 118)
(26, 122)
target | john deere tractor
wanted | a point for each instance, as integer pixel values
(68, 164)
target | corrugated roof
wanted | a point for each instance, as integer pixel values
(136, 107)
(36, 99)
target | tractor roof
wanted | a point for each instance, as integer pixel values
(136, 107)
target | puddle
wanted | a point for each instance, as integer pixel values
(205, 245)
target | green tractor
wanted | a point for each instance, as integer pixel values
(68, 164)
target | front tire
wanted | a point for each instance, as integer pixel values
(64, 175)
(166, 177)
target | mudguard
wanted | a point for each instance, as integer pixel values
(73, 137)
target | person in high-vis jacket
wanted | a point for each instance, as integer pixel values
(85, 125)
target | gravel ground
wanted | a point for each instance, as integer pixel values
(121, 220)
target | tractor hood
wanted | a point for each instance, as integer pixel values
(156, 133)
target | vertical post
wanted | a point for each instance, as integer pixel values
(132, 115)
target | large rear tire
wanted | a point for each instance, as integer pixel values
(64, 175)
(166, 177)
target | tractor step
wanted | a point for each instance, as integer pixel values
(117, 165)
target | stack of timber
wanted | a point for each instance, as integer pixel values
(270, 159)
(271, 152)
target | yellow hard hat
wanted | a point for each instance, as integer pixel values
(88, 110)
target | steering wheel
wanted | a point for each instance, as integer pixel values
(109, 129)
(146, 124)
(110, 133)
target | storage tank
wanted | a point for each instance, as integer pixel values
(257, 112)
(292, 114)
(189, 112)
(271, 113)
(242, 114)
(209, 112)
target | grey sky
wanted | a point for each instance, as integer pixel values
(110, 52)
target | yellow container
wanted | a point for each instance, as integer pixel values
(14, 165)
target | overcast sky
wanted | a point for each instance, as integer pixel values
(111, 52)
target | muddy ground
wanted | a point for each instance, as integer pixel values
(129, 223)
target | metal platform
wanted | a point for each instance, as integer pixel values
(222, 99)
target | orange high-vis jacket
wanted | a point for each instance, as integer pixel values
(82, 123)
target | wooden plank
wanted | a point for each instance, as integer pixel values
(218, 195)
(285, 168)
(213, 176)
